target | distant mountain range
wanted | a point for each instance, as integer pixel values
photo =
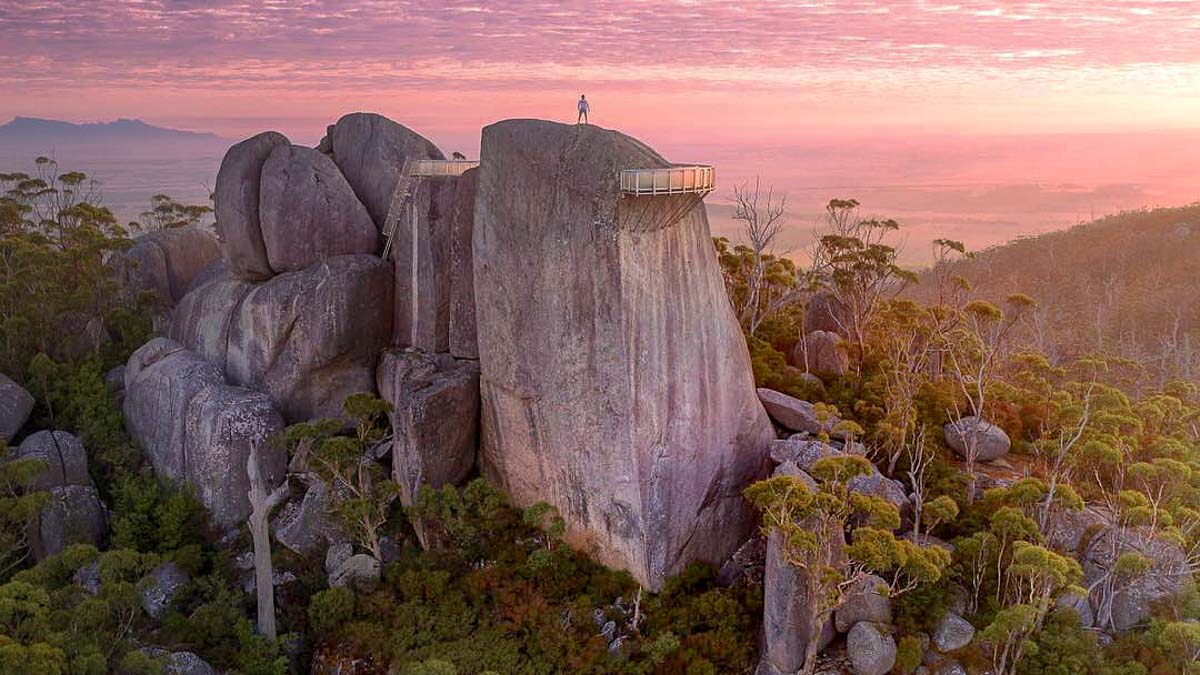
(47, 135)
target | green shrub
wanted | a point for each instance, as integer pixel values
(330, 609)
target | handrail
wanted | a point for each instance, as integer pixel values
(436, 168)
(699, 178)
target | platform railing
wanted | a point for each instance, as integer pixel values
(697, 179)
(438, 168)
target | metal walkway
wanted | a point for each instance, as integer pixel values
(697, 179)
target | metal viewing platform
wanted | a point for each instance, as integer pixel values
(437, 168)
(698, 179)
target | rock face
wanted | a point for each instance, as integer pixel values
(307, 339)
(236, 203)
(160, 587)
(463, 343)
(990, 441)
(64, 455)
(871, 651)
(370, 150)
(787, 626)
(821, 352)
(167, 261)
(306, 527)
(197, 429)
(308, 212)
(794, 414)
(435, 418)
(15, 406)
(616, 384)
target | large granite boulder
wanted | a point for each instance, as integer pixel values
(306, 526)
(236, 203)
(15, 406)
(952, 633)
(307, 339)
(199, 430)
(166, 262)
(64, 455)
(74, 514)
(788, 628)
(616, 383)
(986, 439)
(435, 418)
(307, 211)
(826, 313)
(370, 151)
(821, 352)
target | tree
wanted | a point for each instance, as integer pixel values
(19, 509)
(261, 504)
(814, 524)
(853, 262)
(760, 281)
(363, 494)
(165, 213)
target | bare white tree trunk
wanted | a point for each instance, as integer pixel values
(261, 503)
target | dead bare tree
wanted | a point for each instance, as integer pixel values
(763, 216)
(261, 504)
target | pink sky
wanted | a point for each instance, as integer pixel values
(686, 76)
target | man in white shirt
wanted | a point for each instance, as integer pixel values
(583, 110)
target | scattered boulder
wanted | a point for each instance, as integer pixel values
(179, 663)
(65, 458)
(370, 150)
(236, 204)
(166, 262)
(876, 484)
(87, 577)
(337, 555)
(15, 406)
(198, 430)
(796, 415)
(160, 587)
(825, 313)
(821, 352)
(871, 651)
(360, 571)
(950, 668)
(616, 384)
(952, 633)
(803, 451)
(1072, 531)
(307, 339)
(988, 440)
(787, 626)
(1081, 604)
(864, 602)
(73, 515)
(435, 418)
(307, 211)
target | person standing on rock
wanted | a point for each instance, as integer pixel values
(583, 110)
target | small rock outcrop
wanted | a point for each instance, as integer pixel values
(825, 313)
(166, 262)
(952, 633)
(179, 663)
(871, 651)
(616, 383)
(197, 429)
(1132, 598)
(989, 441)
(307, 339)
(821, 352)
(306, 526)
(307, 211)
(15, 406)
(236, 205)
(360, 571)
(160, 587)
(435, 418)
